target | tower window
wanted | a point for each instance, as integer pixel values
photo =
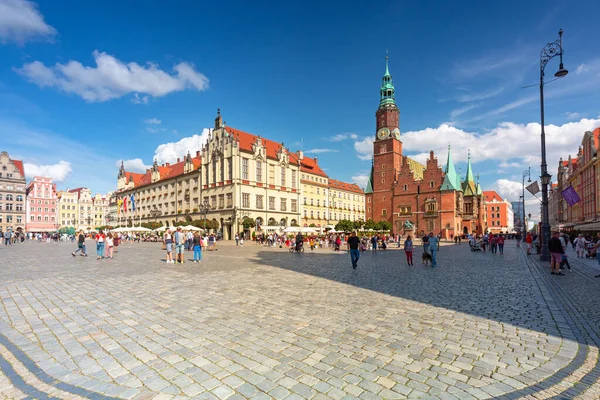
(405, 188)
(431, 184)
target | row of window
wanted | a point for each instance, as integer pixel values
(259, 173)
(339, 204)
(9, 197)
(259, 203)
(333, 216)
(11, 187)
(32, 209)
(9, 207)
(39, 218)
(9, 219)
(314, 179)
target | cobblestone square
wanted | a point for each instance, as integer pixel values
(254, 322)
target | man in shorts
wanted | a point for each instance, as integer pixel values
(179, 246)
(556, 253)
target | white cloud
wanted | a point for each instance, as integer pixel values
(508, 140)
(462, 110)
(153, 121)
(364, 148)
(170, 152)
(136, 99)
(20, 21)
(471, 96)
(343, 136)
(58, 172)
(319, 151)
(572, 115)
(361, 180)
(508, 189)
(133, 165)
(111, 78)
(581, 68)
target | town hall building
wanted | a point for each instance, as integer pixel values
(416, 198)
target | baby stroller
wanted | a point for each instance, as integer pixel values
(476, 246)
(590, 253)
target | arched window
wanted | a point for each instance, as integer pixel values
(19, 198)
(431, 184)
(9, 197)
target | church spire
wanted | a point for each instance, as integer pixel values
(387, 91)
(469, 186)
(451, 178)
(122, 170)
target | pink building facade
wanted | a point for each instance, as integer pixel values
(42, 209)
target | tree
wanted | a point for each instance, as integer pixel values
(312, 226)
(370, 224)
(358, 224)
(344, 225)
(248, 223)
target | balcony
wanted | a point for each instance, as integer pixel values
(431, 214)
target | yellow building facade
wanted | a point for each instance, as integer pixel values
(315, 184)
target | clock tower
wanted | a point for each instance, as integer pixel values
(387, 149)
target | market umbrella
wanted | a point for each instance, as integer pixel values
(191, 228)
(161, 229)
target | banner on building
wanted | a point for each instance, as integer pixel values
(571, 196)
(533, 188)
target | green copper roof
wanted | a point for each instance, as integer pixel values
(369, 188)
(479, 191)
(451, 179)
(387, 91)
(469, 187)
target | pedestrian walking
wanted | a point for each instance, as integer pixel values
(434, 246)
(353, 243)
(408, 249)
(374, 244)
(556, 252)
(100, 238)
(197, 247)
(237, 240)
(529, 241)
(501, 243)
(494, 244)
(109, 246)
(7, 238)
(80, 245)
(580, 244)
(190, 241)
(168, 240)
(179, 246)
(426, 254)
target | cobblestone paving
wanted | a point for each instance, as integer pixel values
(254, 322)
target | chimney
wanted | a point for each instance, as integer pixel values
(316, 160)
(178, 160)
(300, 154)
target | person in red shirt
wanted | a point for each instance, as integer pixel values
(501, 243)
(100, 239)
(529, 241)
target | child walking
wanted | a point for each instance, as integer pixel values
(408, 249)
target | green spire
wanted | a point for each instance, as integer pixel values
(451, 178)
(469, 187)
(387, 91)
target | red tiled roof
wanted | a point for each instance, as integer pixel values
(165, 172)
(554, 185)
(19, 165)
(491, 195)
(596, 134)
(350, 187)
(311, 166)
(246, 140)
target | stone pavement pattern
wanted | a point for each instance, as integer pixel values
(254, 322)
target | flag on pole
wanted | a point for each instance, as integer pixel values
(132, 201)
(533, 188)
(119, 205)
(571, 196)
(124, 204)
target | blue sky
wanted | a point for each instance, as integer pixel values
(86, 84)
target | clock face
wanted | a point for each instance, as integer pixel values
(383, 133)
(396, 133)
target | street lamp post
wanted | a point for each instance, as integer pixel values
(204, 211)
(525, 173)
(549, 51)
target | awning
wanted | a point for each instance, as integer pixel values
(591, 226)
